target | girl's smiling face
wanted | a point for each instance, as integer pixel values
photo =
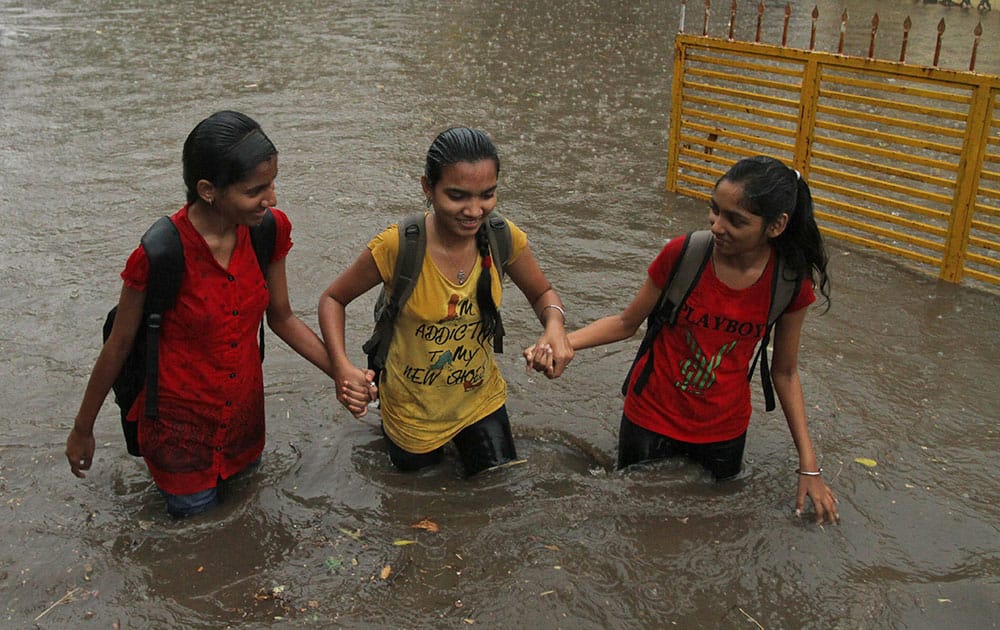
(464, 196)
(246, 201)
(736, 229)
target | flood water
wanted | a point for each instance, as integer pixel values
(97, 99)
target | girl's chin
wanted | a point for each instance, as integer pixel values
(256, 218)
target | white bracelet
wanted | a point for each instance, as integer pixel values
(809, 473)
(555, 306)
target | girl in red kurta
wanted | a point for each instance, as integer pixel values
(211, 395)
(697, 400)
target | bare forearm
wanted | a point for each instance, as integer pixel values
(103, 376)
(603, 331)
(80, 443)
(788, 387)
(303, 340)
(332, 316)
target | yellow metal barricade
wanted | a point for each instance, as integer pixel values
(901, 158)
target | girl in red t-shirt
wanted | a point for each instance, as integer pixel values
(696, 402)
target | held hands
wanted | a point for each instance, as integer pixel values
(356, 390)
(822, 498)
(549, 358)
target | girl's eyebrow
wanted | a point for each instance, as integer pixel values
(456, 189)
(258, 187)
(715, 207)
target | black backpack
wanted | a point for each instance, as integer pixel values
(165, 252)
(695, 253)
(409, 260)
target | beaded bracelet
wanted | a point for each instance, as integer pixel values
(809, 473)
(555, 306)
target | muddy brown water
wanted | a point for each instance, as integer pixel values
(97, 98)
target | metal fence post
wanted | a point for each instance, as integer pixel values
(970, 166)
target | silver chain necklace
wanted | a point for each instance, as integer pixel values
(461, 271)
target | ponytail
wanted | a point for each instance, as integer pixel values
(801, 243)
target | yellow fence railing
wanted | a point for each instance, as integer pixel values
(901, 158)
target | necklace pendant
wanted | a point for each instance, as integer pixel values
(461, 276)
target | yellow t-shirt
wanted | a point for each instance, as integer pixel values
(438, 378)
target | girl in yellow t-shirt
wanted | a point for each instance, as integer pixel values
(441, 383)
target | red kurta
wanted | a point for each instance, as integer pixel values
(211, 386)
(698, 391)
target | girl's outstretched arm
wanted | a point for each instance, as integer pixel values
(785, 376)
(287, 325)
(621, 326)
(528, 277)
(607, 329)
(354, 386)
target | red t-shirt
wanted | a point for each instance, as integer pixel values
(698, 391)
(211, 386)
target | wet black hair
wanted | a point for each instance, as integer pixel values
(452, 146)
(223, 149)
(458, 144)
(770, 189)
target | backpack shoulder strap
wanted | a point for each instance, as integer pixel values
(501, 251)
(409, 260)
(784, 286)
(165, 252)
(263, 237)
(684, 275)
(501, 241)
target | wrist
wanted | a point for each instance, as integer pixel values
(553, 318)
(83, 428)
(344, 369)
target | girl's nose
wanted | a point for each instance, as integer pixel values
(715, 225)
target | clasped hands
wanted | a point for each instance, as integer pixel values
(356, 390)
(549, 358)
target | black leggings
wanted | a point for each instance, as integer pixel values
(637, 444)
(482, 445)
